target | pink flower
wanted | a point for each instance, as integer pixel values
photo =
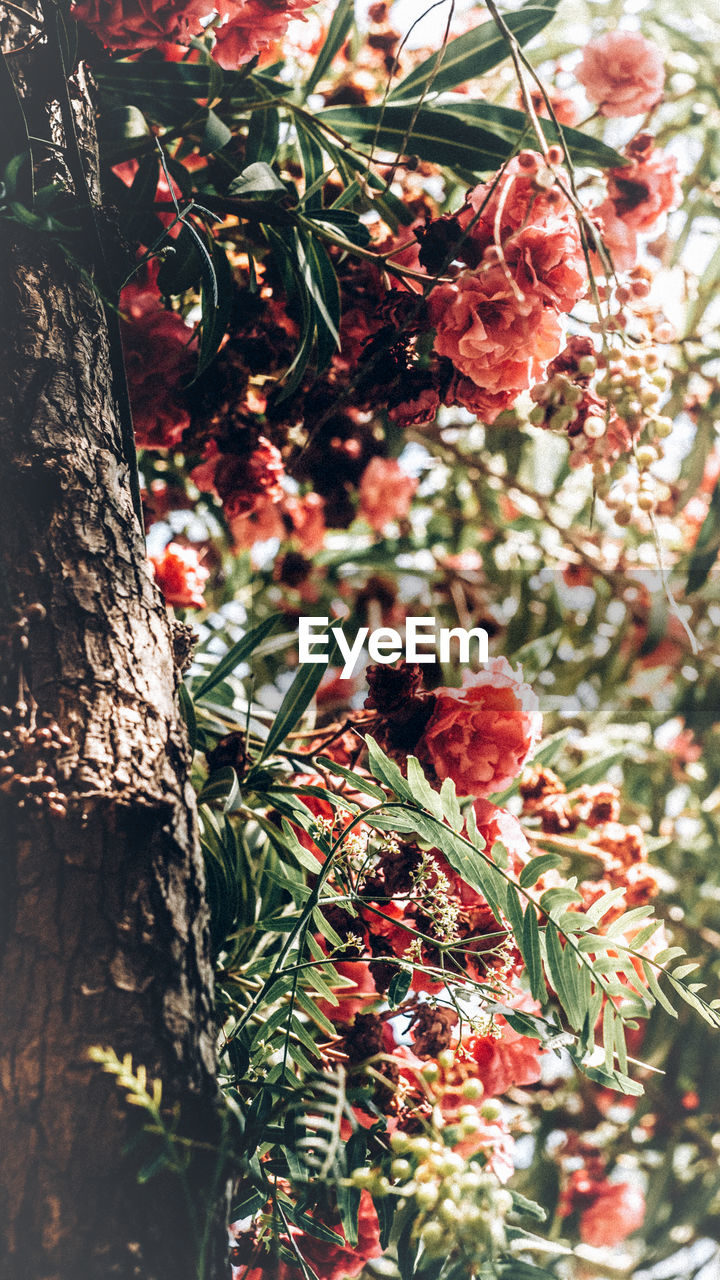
(180, 576)
(252, 26)
(623, 73)
(617, 1210)
(498, 209)
(547, 260)
(486, 405)
(647, 187)
(307, 515)
(495, 823)
(500, 340)
(619, 238)
(386, 492)
(157, 359)
(259, 525)
(482, 734)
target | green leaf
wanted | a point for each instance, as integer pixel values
(385, 770)
(348, 1197)
(260, 182)
(263, 136)
(475, 137)
(357, 782)
(319, 278)
(399, 987)
(286, 262)
(528, 1208)
(304, 856)
(294, 705)
(182, 265)
(471, 55)
(706, 548)
(216, 303)
(533, 870)
(434, 135)
(326, 929)
(310, 1008)
(423, 793)
(337, 33)
(167, 91)
(532, 955)
(216, 134)
(652, 981)
(122, 130)
(238, 654)
(448, 796)
(222, 785)
(187, 710)
(595, 770)
(514, 125)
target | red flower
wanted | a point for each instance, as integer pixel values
(141, 24)
(507, 1060)
(180, 576)
(609, 1211)
(647, 187)
(481, 734)
(244, 482)
(307, 515)
(328, 1260)
(622, 72)
(156, 343)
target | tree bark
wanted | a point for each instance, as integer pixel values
(103, 937)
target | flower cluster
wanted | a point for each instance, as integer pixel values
(479, 735)
(245, 27)
(516, 264)
(158, 359)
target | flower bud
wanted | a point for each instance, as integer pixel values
(472, 1089)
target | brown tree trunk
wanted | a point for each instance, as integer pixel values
(103, 923)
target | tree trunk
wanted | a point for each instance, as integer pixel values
(104, 936)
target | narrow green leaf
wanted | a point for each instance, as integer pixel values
(448, 796)
(399, 987)
(533, 870)
(263, 136)
(337, 34)
(238, 654)
(216, 303)
(294, 705)
(385, 770)
(532, 956)
(471, 55)
(356, 781)
(656, 989)
(422, 791)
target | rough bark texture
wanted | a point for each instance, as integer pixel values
(103, 930)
